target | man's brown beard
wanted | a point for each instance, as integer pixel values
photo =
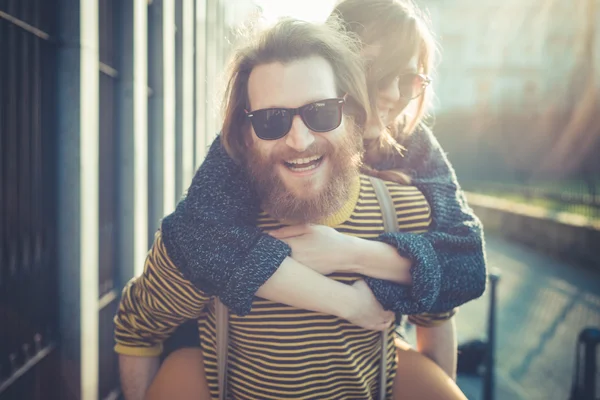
(282, 204)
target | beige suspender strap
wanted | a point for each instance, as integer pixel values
(390, 224)
(222, 318)
(388, 211)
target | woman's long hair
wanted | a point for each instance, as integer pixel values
(402, 31)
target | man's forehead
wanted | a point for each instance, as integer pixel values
(291, 84)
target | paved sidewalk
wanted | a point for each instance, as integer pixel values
(542, 305)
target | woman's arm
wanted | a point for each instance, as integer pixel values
(326, 251)
(212, 236)
(142, 323)
(439, 344)
(213, 240)
(299, 286)
(448, 262)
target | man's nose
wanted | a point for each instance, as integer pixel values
(300, 137)
(391, 93)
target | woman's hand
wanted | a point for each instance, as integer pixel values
(325, 250)
(366, 311)
(321, 248)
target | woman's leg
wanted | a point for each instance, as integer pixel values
(181, 374)
(417, 377)
(180, 377)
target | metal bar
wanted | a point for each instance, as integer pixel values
(40, 309)
(4, 274)
(169, 106)
(88, 217)
(106, 148)
(179, 88)
(489, 377)
(12, 179)
(24, 197)
(187, 95)
(3, 185)
(155, 119)
(22, 370)
(201, 135)
(48, 168)
(113, 395)
(107, 298)
(25, 26)
(108, 70)
(140, 132)
(589, 339)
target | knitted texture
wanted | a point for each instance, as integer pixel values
(449, 266)
(213, 240)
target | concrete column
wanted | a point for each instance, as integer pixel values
(78, 130)
(169, 106)
(201, 135)
(140, 132)
(187, 114)
(155, 118)
(212, 55)
(133, 161)
(179, 84)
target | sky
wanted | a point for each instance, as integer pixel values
(310, 10)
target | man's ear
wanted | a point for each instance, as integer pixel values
(247, 133)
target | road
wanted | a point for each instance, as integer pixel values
(543, 304)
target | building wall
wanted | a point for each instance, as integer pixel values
(513, 53)
(132, 91)
(517, 87)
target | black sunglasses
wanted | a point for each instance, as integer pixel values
(275, 123)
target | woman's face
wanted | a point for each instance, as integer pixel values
(391, 99)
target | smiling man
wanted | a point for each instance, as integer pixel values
(306, 174)
(293, 105)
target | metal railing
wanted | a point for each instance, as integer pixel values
(109, 26)
(577, 196)
(28, 283)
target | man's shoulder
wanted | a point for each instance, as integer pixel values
(412, 209)
(393, 187)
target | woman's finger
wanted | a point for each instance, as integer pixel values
(290, 231)
(383, 326)
(388, 316)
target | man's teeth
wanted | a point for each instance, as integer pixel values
(303, 164)
(296, 169)
(303, 160)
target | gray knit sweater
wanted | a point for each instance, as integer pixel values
(213, 239)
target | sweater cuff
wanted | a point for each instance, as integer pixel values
(392, 296)
(425, 271)
(262, 261)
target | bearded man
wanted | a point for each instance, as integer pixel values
(295, 100)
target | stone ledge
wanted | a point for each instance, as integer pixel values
(565, 235)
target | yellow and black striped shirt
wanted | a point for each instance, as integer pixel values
(276, 351)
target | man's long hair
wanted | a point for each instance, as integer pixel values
(287, 41)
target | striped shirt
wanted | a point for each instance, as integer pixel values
(276, 351)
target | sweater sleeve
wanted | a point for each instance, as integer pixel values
(212, 237)
(448, 262)
(154, 304)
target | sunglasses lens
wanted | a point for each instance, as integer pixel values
(271, 124)
(323, 116)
